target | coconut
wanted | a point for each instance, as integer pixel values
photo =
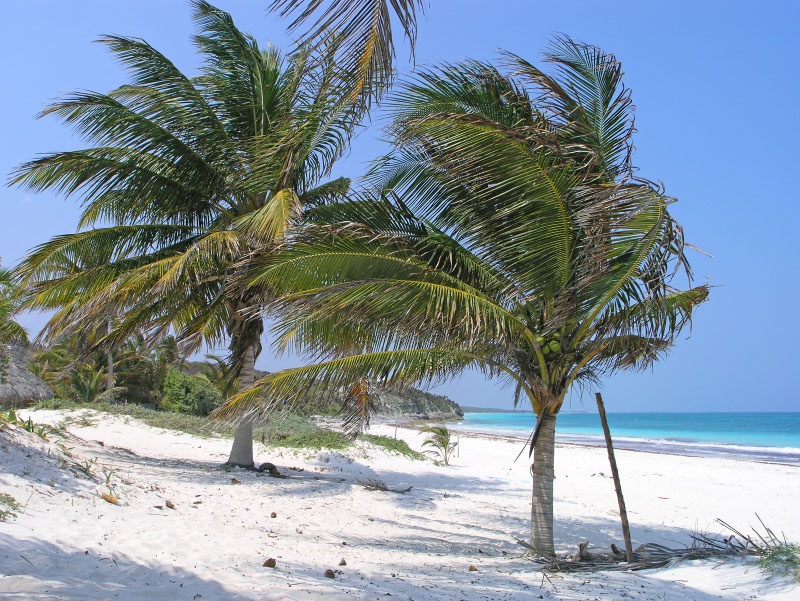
(555, 347)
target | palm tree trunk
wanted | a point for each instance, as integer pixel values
(242, 449)
(110, 382)
(543, 474)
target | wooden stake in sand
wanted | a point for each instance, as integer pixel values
(623, 513)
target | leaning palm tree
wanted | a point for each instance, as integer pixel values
(509, 235)
(184, 178)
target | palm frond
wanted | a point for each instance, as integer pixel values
(360, 30)
(386, 370)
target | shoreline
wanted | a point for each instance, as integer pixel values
(601, 444)
(788, 456)
(662, 445)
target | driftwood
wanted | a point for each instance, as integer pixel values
(652, 555)
(375, 484)
(645, 557)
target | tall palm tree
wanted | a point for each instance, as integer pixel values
(184, 177)
(362, 30)
(511, 237)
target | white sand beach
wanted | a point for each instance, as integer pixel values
(67, 543)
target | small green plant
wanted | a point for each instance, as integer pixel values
(782, 559)
(11, 417)
(86, 468)
(108, 473)
(84, 421)
(775, 554)
(7, 507)
(439, 441)
(394, 445)
(61, 461)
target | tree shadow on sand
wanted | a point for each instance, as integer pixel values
(38, 569)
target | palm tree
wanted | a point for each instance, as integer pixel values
(183, 179)
(361, 30)
(10, 330)
(511, 236)
(439, 441)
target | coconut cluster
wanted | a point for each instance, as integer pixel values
(551, 345)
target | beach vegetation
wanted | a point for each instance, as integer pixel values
(189, 394)
(317, 439)
(182, 179)
(507, 232)
(8, 505)
(783, 560)
(11, 332)
(394, 445)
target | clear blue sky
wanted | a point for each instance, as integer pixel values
(716, 85)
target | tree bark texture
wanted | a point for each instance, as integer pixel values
(242, 449)
(542, 471)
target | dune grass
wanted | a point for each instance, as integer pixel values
(284, 430)
(7, 506)
(395, 445)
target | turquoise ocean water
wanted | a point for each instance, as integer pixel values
(755, 436)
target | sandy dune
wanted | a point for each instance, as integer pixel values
(67, 543)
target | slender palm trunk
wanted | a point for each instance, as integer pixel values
(543, 474)
(110, 382)
(242, 449)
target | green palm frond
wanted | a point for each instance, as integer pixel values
(589, 101)
(504, 227)
(183, 179)
(10, 330)
(386, 370)
(360, 30)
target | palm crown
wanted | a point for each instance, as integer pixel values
(184, 178)
(506, 232)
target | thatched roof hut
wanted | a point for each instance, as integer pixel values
(20, 387)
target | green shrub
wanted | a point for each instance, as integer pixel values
(395, 445)
(318, 439)
(189, 394)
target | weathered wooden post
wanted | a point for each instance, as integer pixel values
(623, 513)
